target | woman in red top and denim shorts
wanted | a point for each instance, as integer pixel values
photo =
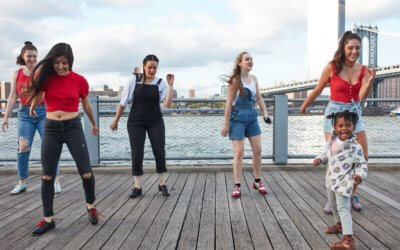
(350, 82)
(62, 89)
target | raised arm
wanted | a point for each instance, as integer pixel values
(366, 83)
(168, 99)
(323, 81)
(12, 99)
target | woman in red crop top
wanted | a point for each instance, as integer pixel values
(27, 126)
(62, 89)
(349, 83)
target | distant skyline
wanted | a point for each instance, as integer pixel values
(196, 40)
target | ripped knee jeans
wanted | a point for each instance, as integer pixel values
(55, 134)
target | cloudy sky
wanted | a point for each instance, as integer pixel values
(196, 40)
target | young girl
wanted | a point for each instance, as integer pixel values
(241, 119)
(145, 96)
(349, 83)
(346, 167)
(27, 126)
(63, 89)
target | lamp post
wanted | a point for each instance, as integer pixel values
(138, 72)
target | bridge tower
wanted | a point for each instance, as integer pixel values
(371, 33)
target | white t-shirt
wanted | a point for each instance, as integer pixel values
(250, 86)
(127, 94)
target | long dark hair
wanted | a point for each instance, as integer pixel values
(28, 46)
(339, 58)
(347, 115)
(236, 73)
(150, 57)
(45, 66)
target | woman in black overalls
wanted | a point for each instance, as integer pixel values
(145, 96)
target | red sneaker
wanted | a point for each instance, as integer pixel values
(260, 186)
(236, 192)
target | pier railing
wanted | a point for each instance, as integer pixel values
(193, 135)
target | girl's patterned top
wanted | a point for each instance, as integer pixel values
(348, 161)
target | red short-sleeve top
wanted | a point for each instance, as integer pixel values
(63, 92)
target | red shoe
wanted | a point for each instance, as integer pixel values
(260, 186)
(236, 192)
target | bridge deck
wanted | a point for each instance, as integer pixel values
(200, 213)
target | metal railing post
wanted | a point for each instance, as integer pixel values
(93, 142)
(280, 131)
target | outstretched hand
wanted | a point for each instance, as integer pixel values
(316, 162)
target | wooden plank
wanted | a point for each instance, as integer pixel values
(171, 234)
(292, 233)
(311, 235)
(140, 204)
(255, 226)
(77, 219)
(190, 230)
(300, 197)
(271, 225)
(136, 236)
(358, 230)
(156, 231)
(223, 231)
(107, 208)
(317, 201)
(23, 235)
(112, 224)
(206, 237)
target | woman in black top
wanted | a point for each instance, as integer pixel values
(145, 96)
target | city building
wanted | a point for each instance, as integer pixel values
(224, 90)
(191, 93)
(105, 92)
(174, 94)
(5, 88)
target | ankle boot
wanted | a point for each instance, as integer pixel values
(346, 243)
(163, 189)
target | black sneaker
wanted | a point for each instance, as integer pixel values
(163, 189)
(43, 226)
(93, 215)
(136, 192)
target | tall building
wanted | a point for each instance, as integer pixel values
(325, 25)
(5, 88)
(191, 93)
(174, 94)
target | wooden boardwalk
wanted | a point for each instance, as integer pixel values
(200, 213)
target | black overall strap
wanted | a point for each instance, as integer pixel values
(159, 81)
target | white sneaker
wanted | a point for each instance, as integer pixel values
(57, 187)
(19, 188)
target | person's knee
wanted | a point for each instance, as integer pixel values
(87, 176)
(23, 145)
(239, 154)
(48, 178)
(257, 151)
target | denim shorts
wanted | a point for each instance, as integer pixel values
(334, 107)
(243, 123)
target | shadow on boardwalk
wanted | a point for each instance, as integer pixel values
(200, 213)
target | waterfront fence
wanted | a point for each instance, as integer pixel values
(193, 133)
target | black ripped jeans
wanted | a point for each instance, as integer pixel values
(55, 134)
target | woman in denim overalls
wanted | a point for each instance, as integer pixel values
(241, 119)
(349, 82)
